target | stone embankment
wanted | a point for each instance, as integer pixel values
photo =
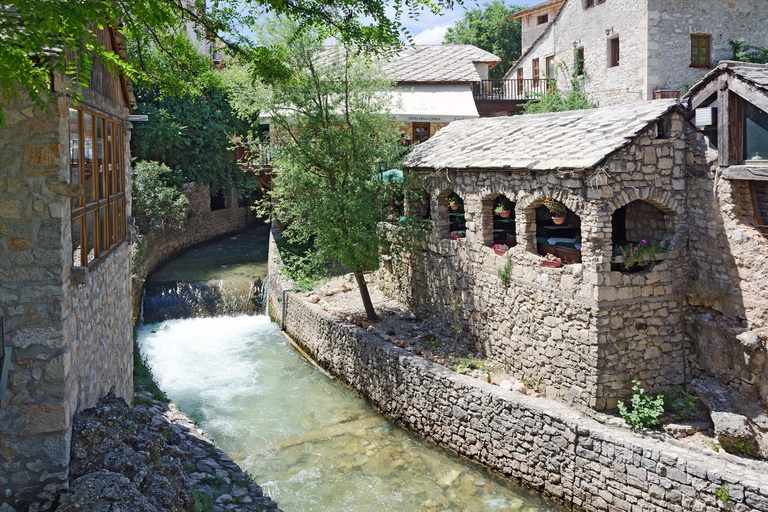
(546, 444)
(152, 458)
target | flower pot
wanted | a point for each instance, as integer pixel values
(425, 201)
(558, 220)
(500, 252)
(505, 213)
(454, 207)
(551, 264)
(456, 237)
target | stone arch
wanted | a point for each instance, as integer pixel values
(538, 228)
(498, 228)
(447, 219)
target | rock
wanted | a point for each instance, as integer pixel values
(104, 490)
(314, 299)
(749, 340)
(505, 384)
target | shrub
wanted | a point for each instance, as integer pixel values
(505, 272)
(646, 409)
(156, 204)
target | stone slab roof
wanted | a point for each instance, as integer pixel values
(439, 63)
(578, 139)
(755, 74)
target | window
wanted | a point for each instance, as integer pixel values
(550, 68)
(592, 3)
(535, 72)
(520, 82)
(700, 50)
(578, 65)
(96, 163)
(420, 132)
(760, 204)
(755, 133)
(544, 18)
(613, 52)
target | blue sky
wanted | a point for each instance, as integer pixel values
(429, 29)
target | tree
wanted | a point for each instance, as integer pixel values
(40, 37)
(744, 52)
(490, 28)
(334, 127)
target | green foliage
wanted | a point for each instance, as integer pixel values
(203, 501)
(722, 493)
(555, 100)
(490, 28)
(744, 446)
(143, 380)
(642, 253)
(646, 410)
(505, 272)
(748, 53)
(682, 403)
(155, 202)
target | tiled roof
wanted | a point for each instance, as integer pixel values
(578, 139)
(439, 63)
(755, 74)
(534, 8)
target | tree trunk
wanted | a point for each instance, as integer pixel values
(369, 311)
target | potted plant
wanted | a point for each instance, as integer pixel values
(426, 225)
(424, 197)
(453, 202)
(551, 261)
(502, 210)
(639, 255)
(455, 235)
(500, 249)
(556, 208)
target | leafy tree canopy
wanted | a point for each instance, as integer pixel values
(42, 36)
(747, 53)
(490, 28)
(333, 124)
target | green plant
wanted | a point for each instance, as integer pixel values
(748, 53)
(682, 403)
(556, 100)
(643, 253)
(391, 332)
(500, 208)
(156, 203)
(166, 433)
(188, 467)
(646, 409)
(743, 445)
(203, 501)
(715, 446)
(722, 493)
(505, 272)
(143, 380)
(212, 481)
(557, 208)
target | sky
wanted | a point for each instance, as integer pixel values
(430, 29)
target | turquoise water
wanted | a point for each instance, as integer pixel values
(311, 443)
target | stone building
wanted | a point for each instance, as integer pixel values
(535, 20)
(628, 51)
(65, 287)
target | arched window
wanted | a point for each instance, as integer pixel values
(558, 231)
(498, 218)
(452, 206)
(640, 232)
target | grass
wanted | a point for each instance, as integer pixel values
(143, 380)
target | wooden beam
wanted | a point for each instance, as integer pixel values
(746, 172)
(750, 93)
(705, 94)
(723, 122)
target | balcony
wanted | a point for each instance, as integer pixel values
(515, 90)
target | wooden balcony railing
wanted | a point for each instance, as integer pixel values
(519, 90)
(254, 156)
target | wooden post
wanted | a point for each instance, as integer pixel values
(723, 122)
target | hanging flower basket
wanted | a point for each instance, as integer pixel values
(558, 220)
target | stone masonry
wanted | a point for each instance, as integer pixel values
(587, 464)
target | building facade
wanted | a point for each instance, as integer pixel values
(65, 267)
(625, 51)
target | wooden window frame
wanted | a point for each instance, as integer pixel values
(699, 38)
(760, 222)
(614, 52)
(536, 71)
(420, 125)
(520, 82)
(549, 65)
(542, 19)
(592, 3)
(108, 191)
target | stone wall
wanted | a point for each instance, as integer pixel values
(593, 466)
(152, 249)
(584, 331)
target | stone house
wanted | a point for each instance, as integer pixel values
(627, 51)
(535, 20)
(65, 267)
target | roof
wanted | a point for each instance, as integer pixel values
(754, 74)
(578, 139)
(534, 8)
(439, 63)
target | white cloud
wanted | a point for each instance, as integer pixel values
(432, 35)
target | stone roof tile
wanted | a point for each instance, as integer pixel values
(577, 139)
(756, 74)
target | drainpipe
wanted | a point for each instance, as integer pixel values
(5, 357)
(282, 318)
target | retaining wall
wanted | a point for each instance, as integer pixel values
(156, 247)
(549, 446)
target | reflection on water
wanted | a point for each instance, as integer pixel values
(312, 444)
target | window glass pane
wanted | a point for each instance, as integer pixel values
(88, 158)
(90, 235)
(112, 223)
(109, 163)
(103, 230)
(74, 152)
(695, 41)
(77, 241)
(756, 133)
(121, 218)
(703, 50)
(100, 163)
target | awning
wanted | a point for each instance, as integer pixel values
(435, 103)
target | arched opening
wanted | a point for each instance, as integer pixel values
(640, 232)
(558, 231)
(452, 206)
(498, 218)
